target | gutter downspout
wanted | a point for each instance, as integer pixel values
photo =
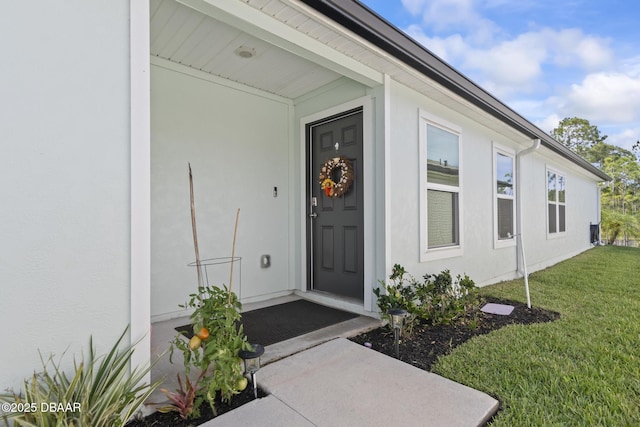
(519, 220)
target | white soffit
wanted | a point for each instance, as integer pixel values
(187, 37)
(185, 32)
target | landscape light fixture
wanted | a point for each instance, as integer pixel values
(251, 361)
(397, 319)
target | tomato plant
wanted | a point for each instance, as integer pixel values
(216, 320)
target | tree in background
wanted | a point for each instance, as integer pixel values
(579, 136)
(620, 198)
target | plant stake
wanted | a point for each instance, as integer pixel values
(233, 253)
(193, 226)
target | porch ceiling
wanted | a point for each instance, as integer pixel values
(185, 36)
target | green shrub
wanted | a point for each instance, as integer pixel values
(101, 393)
(399, 292)
(216, 356)
(441, 299)
(437, 299)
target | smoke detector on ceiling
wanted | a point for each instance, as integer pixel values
(245, 52)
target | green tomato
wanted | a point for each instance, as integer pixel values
(242, 384)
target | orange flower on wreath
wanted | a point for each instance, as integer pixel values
(330, 187)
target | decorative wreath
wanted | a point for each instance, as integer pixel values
(330, 187)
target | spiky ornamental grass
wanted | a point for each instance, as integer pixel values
(101, 393)
(583, 369)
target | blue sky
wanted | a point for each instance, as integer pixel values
(545, 59)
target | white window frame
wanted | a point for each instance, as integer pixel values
(505, 151)
(426, 253)
(555, 234)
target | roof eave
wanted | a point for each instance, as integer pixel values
(367, 24)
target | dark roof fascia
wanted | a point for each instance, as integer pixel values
(367, 24)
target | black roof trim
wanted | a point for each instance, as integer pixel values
(366, 23)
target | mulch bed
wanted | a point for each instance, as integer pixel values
(429, 342)
(172, 419)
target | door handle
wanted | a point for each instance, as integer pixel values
(313, 215)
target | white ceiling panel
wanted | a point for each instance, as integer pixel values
(295, 20)
(273, 8)
(195, 43)
(286, 13)
(188, 37)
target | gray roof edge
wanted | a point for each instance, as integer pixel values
(366, 23)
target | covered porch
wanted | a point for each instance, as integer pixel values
(233, 91)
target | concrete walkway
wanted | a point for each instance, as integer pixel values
(341, 383)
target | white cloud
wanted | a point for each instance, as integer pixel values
(571, 47)
(517, 65)
(625, 138)
(453, 15)
(565, 47)
(549, 123)
(414, 6)
(500, 69)
(449, 48)
(608, 97)
(594, 53)
(510, 64)
(442, 13)
(631, 66)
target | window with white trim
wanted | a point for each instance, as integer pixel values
(556, 203)
(440, 187)
(504, 191)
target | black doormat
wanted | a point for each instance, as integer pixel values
(281, 322)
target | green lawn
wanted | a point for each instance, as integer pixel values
(582, 370)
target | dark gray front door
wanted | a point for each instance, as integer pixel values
(335, 225)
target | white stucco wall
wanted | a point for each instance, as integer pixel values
(64, 167)
(582, 204)
(484, 263)
(238, 142)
